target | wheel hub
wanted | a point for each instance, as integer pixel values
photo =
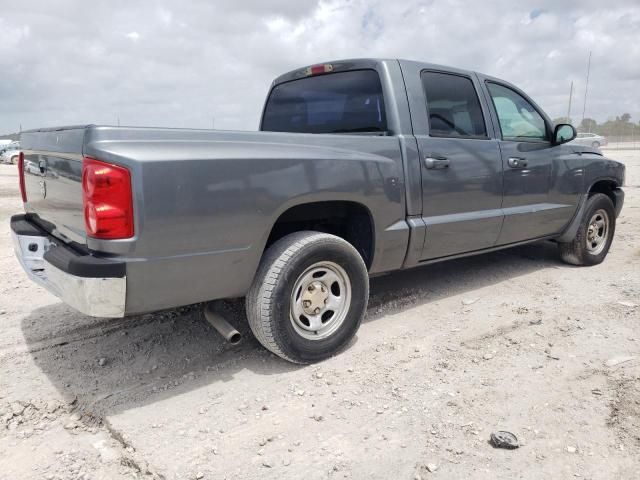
(314, 298)
(320, 300)
(597, 232)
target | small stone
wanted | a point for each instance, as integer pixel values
(487, 356)
(17, 408)
(300, 393)
(199, 475)
(432, 467)
(571, 449)
(102, 362)
(267, 464)
(318, 418)
(350, 369)
(319, 374)
(470, 301)
(52, 406)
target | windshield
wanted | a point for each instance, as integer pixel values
(344, 102)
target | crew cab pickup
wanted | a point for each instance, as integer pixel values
(360, 167)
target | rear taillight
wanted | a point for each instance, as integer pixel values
(107, 200)
(23, 190)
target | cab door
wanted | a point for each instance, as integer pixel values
(540, 193)
(461, 167)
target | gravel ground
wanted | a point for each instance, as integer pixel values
(448, 353)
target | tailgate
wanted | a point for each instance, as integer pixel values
(53, 180)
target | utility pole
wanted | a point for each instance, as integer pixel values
(586, 90)
(570, 97)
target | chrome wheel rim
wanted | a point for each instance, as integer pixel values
(597, 231)
(320, 300)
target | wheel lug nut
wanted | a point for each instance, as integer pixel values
(306, 303)
(311, 288)
(316, 311)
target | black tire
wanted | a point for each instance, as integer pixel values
(576, 251)
(269, 301)
(14, 160)
(595, 144)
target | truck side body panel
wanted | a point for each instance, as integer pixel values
(205, 202)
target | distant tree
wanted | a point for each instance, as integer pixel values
(588, 125)
(625, 117)
(558, 120)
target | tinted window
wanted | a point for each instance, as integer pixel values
(518, 119)
(335, 103)
(453, 106)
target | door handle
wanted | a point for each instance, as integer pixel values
(517, 162)
(434, 162)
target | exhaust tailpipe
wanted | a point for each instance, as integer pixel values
(223, 327)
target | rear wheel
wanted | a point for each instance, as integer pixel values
(309, 296)
(595, 144)
(595, 234)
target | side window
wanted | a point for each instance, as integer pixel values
(453, 107)
(518, 119)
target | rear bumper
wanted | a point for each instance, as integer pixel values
(92, 285)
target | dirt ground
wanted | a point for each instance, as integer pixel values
(448, 353)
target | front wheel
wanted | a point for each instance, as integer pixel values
(595, 144)
(595, 234)
(309, 296)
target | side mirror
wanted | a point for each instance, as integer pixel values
(564, 133)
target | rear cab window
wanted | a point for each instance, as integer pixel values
(341, 102)
(453, 106)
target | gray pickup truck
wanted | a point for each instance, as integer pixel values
(360, 167)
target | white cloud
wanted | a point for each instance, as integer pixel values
(165, 16)
(69, 62)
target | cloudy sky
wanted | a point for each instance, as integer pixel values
(182, 64)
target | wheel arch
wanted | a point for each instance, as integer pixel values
(604, 185)
(347, 219)
(607, 186)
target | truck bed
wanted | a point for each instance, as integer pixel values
(204, 201)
